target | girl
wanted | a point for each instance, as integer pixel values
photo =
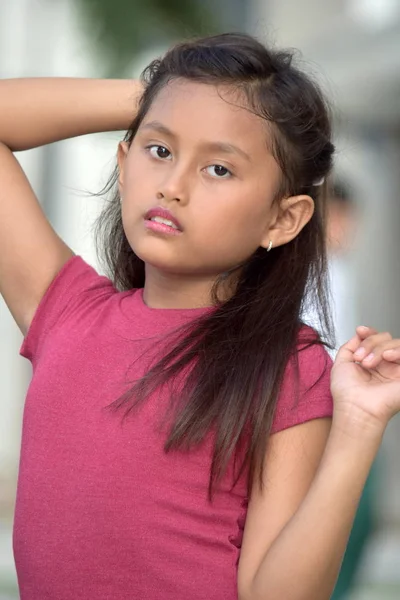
(177, 436)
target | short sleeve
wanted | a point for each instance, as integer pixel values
(310, 398)
(74, 288)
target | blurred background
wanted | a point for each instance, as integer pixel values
(353, 48)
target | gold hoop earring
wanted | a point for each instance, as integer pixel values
(269, 246)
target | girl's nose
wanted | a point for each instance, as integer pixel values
(174, 188)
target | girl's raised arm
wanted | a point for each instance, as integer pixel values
(34, 112)
(38, 111)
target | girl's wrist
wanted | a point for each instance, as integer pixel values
(126, 95)
(349, 455)
(351, 426)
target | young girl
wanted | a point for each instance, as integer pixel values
(177, 437)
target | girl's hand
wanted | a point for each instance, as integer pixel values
(365, 380)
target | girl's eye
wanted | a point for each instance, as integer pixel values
(159, 151)
(218, 171)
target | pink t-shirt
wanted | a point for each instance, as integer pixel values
(102, 512)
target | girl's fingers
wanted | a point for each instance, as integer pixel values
(389, 350)
(371, 342)
(363, 332)
(392, 354)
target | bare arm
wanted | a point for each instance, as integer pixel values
(38, 111)
(34, 112)
(302, 558)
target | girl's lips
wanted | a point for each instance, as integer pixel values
(159, 211)
(161, 228)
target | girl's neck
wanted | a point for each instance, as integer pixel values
(169, 290)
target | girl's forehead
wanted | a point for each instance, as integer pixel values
(188, 108)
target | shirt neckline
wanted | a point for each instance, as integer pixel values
(171, 311)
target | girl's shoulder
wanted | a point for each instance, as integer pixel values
(76, 291)
(305, 391)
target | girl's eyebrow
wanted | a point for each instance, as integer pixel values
(225, 147)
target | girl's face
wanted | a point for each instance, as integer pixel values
(205, 160)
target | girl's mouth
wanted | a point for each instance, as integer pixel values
(161, 220)
(160, 225)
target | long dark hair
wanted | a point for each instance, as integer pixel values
(234, 358)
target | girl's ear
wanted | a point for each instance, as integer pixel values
(121, 157)
(291, 216)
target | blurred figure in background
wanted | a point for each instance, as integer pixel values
(342, 220)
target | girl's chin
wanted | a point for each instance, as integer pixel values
(173, 261)
(163, 264)
(158, 255)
